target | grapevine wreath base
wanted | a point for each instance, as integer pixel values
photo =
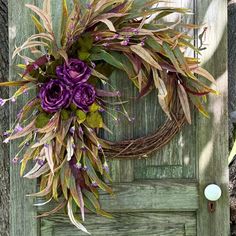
(72, 76)
(143, 146)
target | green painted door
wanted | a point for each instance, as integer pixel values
(163, 194)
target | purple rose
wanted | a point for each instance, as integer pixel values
(84, 96)
(74, 72)
(54, 95)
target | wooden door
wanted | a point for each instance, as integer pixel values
(163, 194)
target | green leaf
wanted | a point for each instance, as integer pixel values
(94, 120)
(108, 58)
(81, 116)
(42, 120)
(151, 42)
(182, 60)
(83, 56)
(92, 174)
(85, 42)
(145, 55)
(171, 56)
(65, 114)
(94, 107)
(63, 180)
(91, 198)
(37, 24)
(183, 97)
(73, 107)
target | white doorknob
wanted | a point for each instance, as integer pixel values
(212, 192)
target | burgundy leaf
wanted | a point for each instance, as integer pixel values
(34, 66)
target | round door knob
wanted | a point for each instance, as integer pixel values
(212, 192)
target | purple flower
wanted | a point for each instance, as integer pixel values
(2, 102)
(84, 96)
(18, 128)
(74, 72)
(54, 95)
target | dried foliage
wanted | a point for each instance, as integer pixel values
(60, 125)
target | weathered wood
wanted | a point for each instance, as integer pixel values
(22, 210)
(141, 200)
(4, 123)
(150, 196)
(126, 224)
(212, 134)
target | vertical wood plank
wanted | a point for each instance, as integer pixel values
(4, 123)
(212, 134)
(22, 211)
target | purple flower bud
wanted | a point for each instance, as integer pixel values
(81, 132)
(40, 162)
(94, 184)
(6, 140)
(142, 44)
(83, 149)
(118, 94)
(27, 144)
(105, 44)
(101, 109)
(26, 61)
(93, 64)
(99, 146)
(18, 128)
(26, 92)
(72, 26)
(106, 167)
(85, 168)
(35, 66)
(136, 31)
(88, 6)
(13, 99)
(46, 145)
(78, 165)
(15, 160)
(2, 102)
(48, 57)
(6, 133)
(97, 38)
(72, 130)
(124, 43)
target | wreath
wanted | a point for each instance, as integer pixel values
(71, 77)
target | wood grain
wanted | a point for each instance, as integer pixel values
(4, 123)
(139, 202)
(126, 224)
(149, 196)
(22, 210)
(212, 134)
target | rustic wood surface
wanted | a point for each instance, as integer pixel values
(22, 211)
(127, 224)
(4, 122)
(212, 134)
(178, 160)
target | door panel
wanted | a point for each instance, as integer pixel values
(162, 194)
(123, 224)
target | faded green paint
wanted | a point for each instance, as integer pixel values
(156, 196)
